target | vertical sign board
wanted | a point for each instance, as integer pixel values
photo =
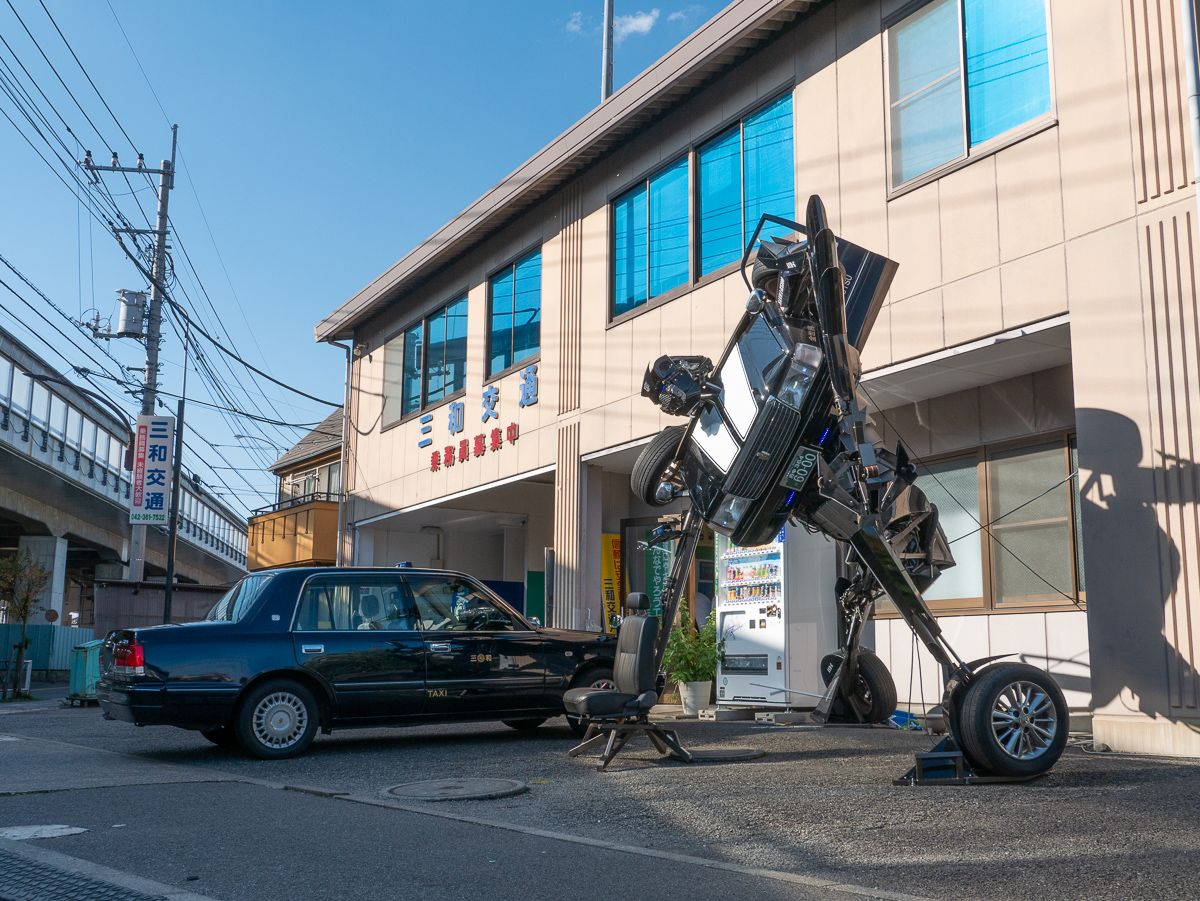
(610, 577)
(151, 489)
(658, 568)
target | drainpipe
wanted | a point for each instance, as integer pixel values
(1188, 9)
(341, 520)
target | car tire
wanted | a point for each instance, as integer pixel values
(279, 719)
(765, 279)
(1014, 721)
(597, 677)
(529, 725)
(875, 689)
(652, 463)
(222, 737)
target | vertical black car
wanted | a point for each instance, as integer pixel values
(285, 653)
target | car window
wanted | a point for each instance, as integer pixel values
(238, 600)
(355, 603)
(447, 604)
(763, 355)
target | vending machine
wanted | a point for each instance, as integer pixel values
(777, 610)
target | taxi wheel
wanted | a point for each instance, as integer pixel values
(278, 720)
(652, 465)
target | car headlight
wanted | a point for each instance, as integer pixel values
(731, 511)
(802, 371)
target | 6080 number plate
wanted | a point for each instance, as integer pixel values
(800, 468)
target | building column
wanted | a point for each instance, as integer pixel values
(514, 551)
(1136, 377)
(568, 529)
(50, 552)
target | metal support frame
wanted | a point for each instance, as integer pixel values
(613, 734)
(689, 538)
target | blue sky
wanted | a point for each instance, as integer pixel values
(319, 143)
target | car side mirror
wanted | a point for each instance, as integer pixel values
(537, 622)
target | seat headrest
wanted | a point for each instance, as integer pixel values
(637, 600)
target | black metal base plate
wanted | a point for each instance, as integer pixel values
(945, 765)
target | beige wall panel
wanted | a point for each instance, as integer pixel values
(551, 352)
(878, 349)
(647, 345)
(1121, 537)
(955, 421)
(911, 425)
(917, 325)
(643, 418)
(594, 310)
(858, 23)
(1029, 192)
(1053, 399)
(734, 308)
(618, 421)
(740, 95)
(816, 43)
(1034, 287)
(708, 319)
(971, 307)
(861, 142)
(970, 240)
(591, 430)
(547, 446)
(618, 360)
(1093, 114)
(914, 241)
(1007, 409)
(815, 143)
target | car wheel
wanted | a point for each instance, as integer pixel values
(652, 463)
(1014, 721)
(529, 725)
(277, 720)
(224, 737)
(600, 677)
(873, 694)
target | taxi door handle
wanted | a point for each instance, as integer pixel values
(313, 648)
(440, 648)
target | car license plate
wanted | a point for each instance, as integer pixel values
(801, 468)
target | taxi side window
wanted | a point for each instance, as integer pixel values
(446, 604)
(355, 603)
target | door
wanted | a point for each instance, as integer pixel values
(358, 633)
(481, 657)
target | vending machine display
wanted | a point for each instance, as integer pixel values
(776, 609)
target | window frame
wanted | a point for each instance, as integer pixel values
(423, 405)
(984, 149)
(510, 264)
(988, 603)
(691, 151)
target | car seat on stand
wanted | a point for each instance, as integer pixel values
(616, 716)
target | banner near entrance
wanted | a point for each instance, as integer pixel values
(610, 577)
(153, 440)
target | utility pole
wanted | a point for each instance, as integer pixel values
(606, 68)
(166, 181)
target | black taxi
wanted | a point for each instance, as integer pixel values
(287, 652)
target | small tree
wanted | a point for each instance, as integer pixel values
(693, 654)
(22, 580)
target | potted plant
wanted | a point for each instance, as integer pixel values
(691, 659)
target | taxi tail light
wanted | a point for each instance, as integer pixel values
(130, 658)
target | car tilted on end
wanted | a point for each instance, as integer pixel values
(287, 652)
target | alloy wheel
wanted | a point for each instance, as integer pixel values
(280, 720)
(1024, 721)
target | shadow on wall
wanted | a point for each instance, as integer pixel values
(1133, 570)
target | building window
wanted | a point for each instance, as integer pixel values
(937, 114)
(744, 173)
(650, 239)
(426, 363)
(515, 314)
(1011, 517)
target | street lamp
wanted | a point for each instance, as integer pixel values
(100, 399)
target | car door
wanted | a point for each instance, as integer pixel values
(358, 633)
(480, 656)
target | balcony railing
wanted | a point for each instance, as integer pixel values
(296, 501)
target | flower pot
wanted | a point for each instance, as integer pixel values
(694, 696)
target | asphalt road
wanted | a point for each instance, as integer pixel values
(819, 807)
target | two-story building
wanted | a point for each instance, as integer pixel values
(1028, 163)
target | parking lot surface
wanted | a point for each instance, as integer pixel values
(820, 805)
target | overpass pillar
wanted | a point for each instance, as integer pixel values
(50, 552)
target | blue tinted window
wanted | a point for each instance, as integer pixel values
(527, 307)
(435, 358)
(668, 241)
(515, 327)
(1006, 83)
(410, 390)
(719, 206)
(1008, 64)
(446, 356)
(768, 164)
(629, 251)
